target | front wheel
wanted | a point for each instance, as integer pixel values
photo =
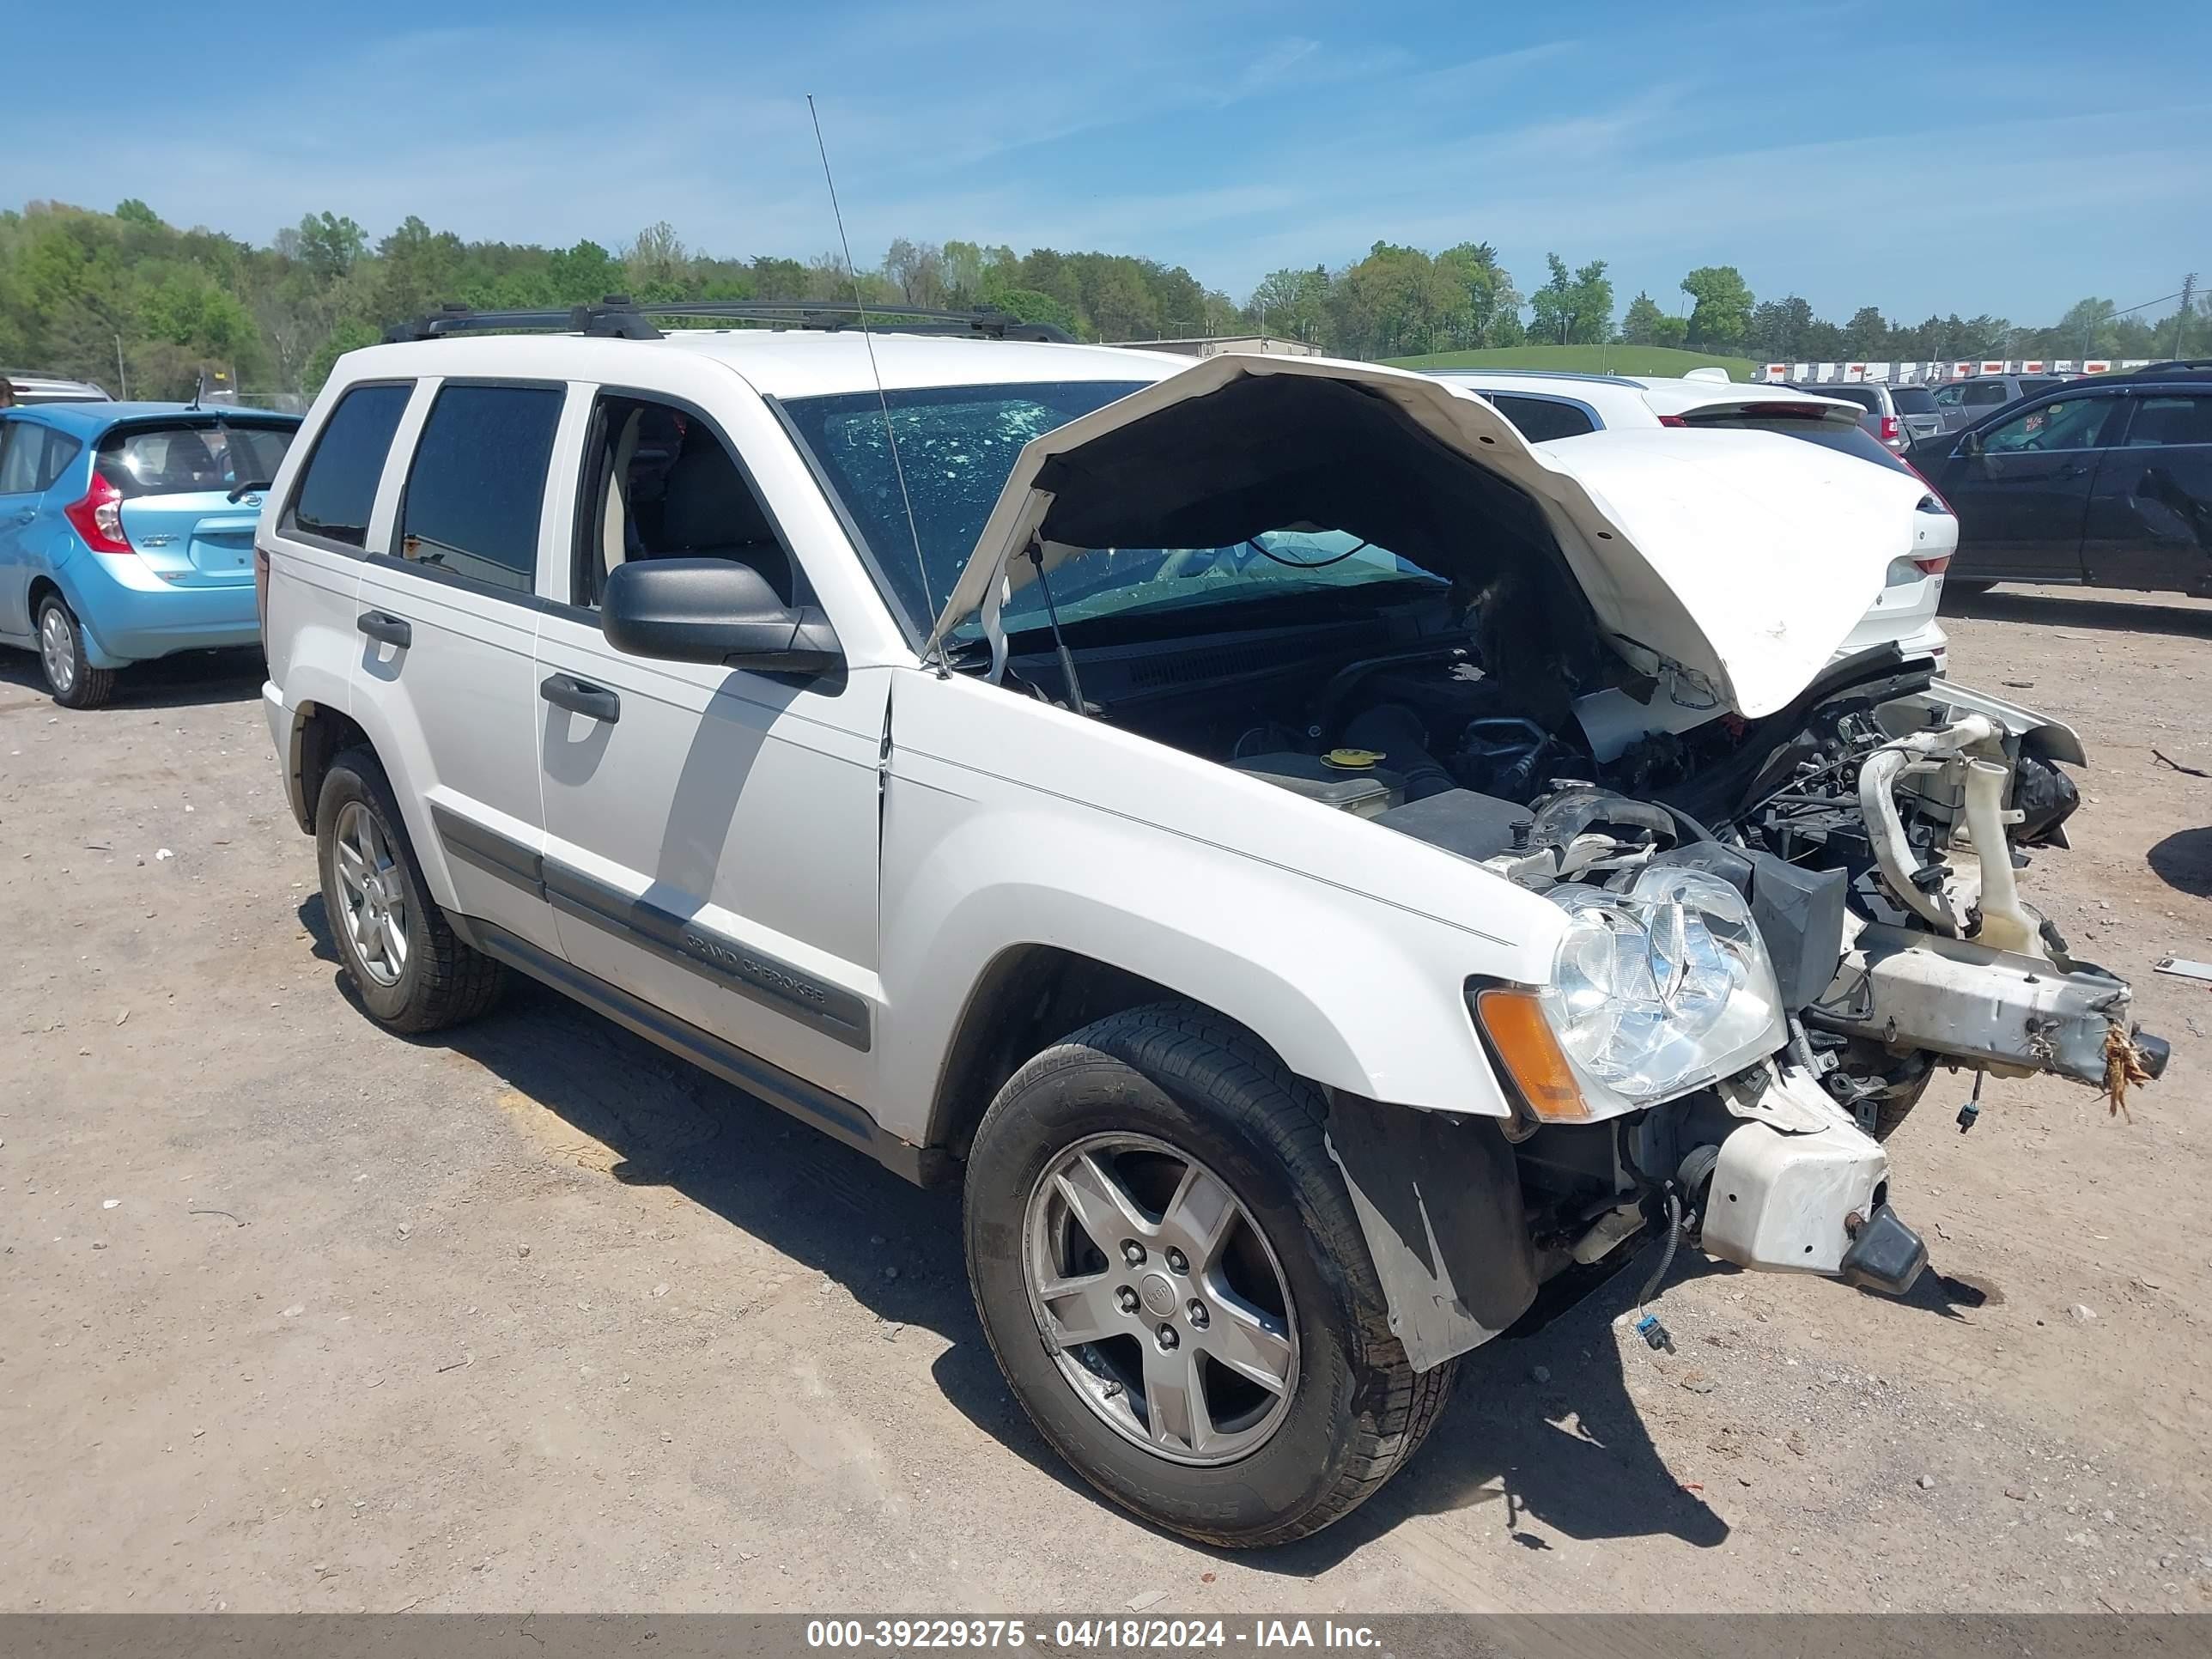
(1169, 1269)
(70, 674)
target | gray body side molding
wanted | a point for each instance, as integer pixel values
(1439, 1200)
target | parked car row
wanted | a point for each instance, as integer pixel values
(1311, 862)
(2105, 481)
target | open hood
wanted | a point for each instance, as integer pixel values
(1736, 561)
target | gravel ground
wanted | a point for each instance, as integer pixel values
(297, 1316)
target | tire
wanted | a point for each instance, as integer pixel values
(436, 980)
(1176, 1076)
(70, 674)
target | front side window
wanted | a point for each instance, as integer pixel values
(2071, 423)
(1950, 397)
(660, 484)
(477, 486)
(339, 488)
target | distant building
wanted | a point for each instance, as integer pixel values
(1213, 345)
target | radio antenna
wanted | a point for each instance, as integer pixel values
(883, 400)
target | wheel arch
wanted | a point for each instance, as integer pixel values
(321, 733)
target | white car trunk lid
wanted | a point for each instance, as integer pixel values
(1739, 559)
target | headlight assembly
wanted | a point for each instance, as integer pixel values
(1653, 993)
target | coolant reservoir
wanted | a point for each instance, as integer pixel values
(1362, 788)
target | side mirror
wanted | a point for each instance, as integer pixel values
(713, 611)
(1971, 444)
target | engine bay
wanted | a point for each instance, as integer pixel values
(1845, 820)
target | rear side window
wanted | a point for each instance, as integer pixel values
(191, 457)
(1847, 436)
(1986, 394)
(2037, 388)
(478, 484)
(2180, 419)
(32, 457)
(1538, 419)
(338, 487)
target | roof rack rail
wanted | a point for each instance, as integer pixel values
(2190, 364)
(619, 317)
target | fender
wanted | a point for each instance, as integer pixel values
(1343, 946)
(310, 687)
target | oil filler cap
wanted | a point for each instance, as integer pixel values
(1352, 760)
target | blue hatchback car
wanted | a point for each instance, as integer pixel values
(126, 532)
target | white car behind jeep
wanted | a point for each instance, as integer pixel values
(1311, 864)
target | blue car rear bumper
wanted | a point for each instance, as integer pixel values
(130, 614)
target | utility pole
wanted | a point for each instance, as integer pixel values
(2181, 316)
(122, 380)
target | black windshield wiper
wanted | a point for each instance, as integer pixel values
(250, 487)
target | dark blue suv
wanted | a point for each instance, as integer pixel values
(2105, 481)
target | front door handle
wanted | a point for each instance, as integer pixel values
(581, 697)
(388, 629)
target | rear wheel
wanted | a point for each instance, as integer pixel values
(70, 674)
(412, 972)
(1168, 1268)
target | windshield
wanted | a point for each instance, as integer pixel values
(184, 459)
(957, 445)
(1913, 400)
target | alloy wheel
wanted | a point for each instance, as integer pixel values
(1161, 1300)
(373, 895)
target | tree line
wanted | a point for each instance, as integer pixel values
(137, 305)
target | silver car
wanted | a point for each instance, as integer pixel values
(1962, 402)
(1896, 415)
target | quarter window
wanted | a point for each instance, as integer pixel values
(478, 484)
(339, 488)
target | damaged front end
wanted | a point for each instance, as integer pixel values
(1790, 885)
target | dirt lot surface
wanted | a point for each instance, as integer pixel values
(297, 1316)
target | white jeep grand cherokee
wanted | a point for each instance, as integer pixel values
(1313, 865)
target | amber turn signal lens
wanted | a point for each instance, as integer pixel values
(1522, 1037)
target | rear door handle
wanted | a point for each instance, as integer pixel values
(27, 515)
(581, 697)
(390, 629)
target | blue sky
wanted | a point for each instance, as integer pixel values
(1924, 158)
